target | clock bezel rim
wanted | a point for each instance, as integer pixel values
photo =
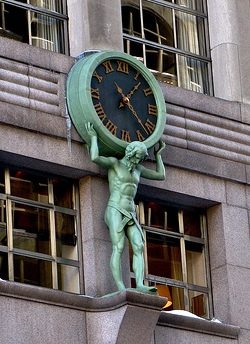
(84, 111)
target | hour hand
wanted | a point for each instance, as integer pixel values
(125, 99)
(130, 93)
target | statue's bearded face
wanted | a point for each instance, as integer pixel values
(135, 159)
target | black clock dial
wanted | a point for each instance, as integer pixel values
(123, 100)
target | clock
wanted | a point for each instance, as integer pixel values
(120, 97)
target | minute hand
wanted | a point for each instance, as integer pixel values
(135, 114)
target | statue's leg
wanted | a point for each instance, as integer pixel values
(113, 218)
(137, 244)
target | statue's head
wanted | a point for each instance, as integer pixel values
(136, 152)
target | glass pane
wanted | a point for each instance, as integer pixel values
(131, 21)
(190, 33)
(193, 74)
(31, 228)
(198, 303)
(4, 266)
(196, 272)
(175, 297)
(196, 5)
(160, 216)
(65, 235)
(159, 29)
(32, 271)
(47, 32)
(192, 225)
(164, 256)
(134, 49)
(54, 5)
(14, 23)
(68, 278)
(63, 194)
(3, 232)
(167, 71)
(2, 182)
(29, 186)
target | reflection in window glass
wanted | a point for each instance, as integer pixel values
(33, 271)
(63, 194)
(170, 40)
(4, 266)
(2, 182)
(28, 186)
(38, 214)
(31, 228)
(198, 303)
(196, 273)
(54, 5)
(164, 256)
(162, 217)
(193, 4)
(3, 233)
(46, 32)
(43, 26)
(68, 278)
(66, 237)
(192, 225)
(176, 258)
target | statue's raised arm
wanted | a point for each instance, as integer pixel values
(94, 149)
(159, 173)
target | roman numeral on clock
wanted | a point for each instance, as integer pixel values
(152, 110)
(95, 93)
(148, 91)
(100, 112)
(111, 127)
(126, 136)
(122, 67)
(97, 76)
(108, 67)
(140, 136)
(150, 126)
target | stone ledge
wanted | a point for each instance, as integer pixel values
(81, 302)
(198, 325)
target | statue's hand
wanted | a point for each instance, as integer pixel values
(90, 129)
(162, 146)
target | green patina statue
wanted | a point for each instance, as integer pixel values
(124, 177)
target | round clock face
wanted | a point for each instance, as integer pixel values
(120, 97)
(123, 100)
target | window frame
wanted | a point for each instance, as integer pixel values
(184, 284)
(53, 258)
(43, 11)
(176, 51)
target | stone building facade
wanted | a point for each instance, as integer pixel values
(207, 164)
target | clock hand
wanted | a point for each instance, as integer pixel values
(133, 90)
(130, 94)
(126, 101)
(135, 114)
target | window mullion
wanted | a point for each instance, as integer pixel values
(52, 237)
(29, 26)
(183, 261)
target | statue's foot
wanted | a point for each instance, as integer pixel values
(146, 289)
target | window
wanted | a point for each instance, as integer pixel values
(171, 39)
(176, 256)
(38, 231)
(42, 23)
